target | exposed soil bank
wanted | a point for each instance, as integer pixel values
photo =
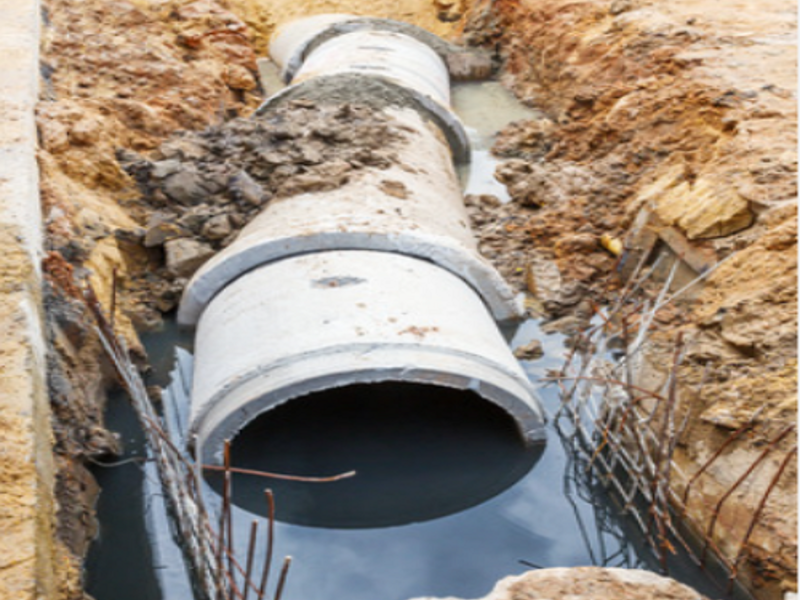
(115, 75)
(685, 110)
(681, 116)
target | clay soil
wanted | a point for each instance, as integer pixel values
(685, 110)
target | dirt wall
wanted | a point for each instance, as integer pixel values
(681, 116)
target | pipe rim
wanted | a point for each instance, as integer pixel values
(222, 270)
(355, 24)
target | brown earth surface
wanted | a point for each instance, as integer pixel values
(684, 110)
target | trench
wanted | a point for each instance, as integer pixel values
(448, 499)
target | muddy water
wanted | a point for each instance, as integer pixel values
(485, 108)
(485, 508)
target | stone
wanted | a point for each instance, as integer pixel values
(217, 228)
(183, 149)
(580, 243)
(543, 279)
(707, 207)
(195, 217)
(160, 229)
(396, 189)
(85, 132)
(185, 187)
(590, 583)
(531, 351)
(244, 188)
(164, 168)
(469, 66)
(237, 77)
(184, 256)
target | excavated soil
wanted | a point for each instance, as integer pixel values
(664, 121)
(680, 116)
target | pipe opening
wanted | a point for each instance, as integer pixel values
(420, 451)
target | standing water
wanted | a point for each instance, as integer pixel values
(447, 499)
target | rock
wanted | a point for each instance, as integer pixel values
(620, 6)
(707, 207)
(543, 279)
(529, 140)
(448, 11)
(469, 66)
(590, 583)
(85, 132)
(237, 77)
(307, 182)
(130, 236)
(184, 256)
(537, 184)
(531, 351)
(54, 135)
(160, 229)
(183, 149)
(185, 187)
(217, 228)
(570, 325)
(195, 217)
(244, 188)
(581, 243)
(164, 168)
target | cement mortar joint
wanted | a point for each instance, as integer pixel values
(376, 92)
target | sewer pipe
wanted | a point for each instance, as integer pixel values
(377, 281)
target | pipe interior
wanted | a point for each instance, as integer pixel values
(420, 452)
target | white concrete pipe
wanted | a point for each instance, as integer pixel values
(313, 323)
(376, 281)
(413, 207)
(332, 46)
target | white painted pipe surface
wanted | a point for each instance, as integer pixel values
(332, 319)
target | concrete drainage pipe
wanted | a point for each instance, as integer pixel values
(377, 281)
(313, 323)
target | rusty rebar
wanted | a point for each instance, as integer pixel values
(301, 478)
(733, 437)
(113, 309)
(251, 547)
(270, 498)
(287, 562)
(759, 510)
(718, 507)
